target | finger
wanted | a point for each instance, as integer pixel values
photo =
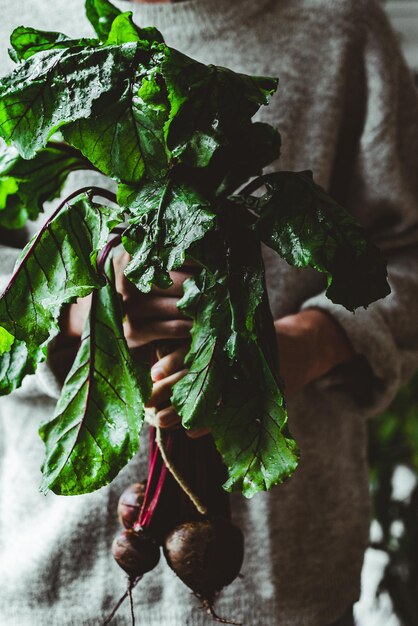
(169, 364)
(162, 390)
(197, 432)
(167, 418)
(152, 306)
(137, 336)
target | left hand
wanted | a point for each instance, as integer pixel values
(310, 344)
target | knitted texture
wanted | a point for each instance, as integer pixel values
(347, 109)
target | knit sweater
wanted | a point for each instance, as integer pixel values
(346, 109)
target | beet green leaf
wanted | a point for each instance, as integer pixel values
(57, 266)
(167, 219)
(230, 386)
(26, 185)
(123, 29)
(59, 86)
(26, 42)
(223, 302)
(195, 397)
(249, 428)
(126, 139)
(95, 429)
(101, 15)
(204, 114)
(306, 227)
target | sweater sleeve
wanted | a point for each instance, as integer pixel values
(382, 193)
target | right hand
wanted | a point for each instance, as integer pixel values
(147, 317)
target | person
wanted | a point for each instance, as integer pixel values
(346, 109)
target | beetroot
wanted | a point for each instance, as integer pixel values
(135, 552)
(130, 504)
(206, 555)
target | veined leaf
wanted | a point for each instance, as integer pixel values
(101, 15)
(27, 41)
(57, 87)
(230, 386)
(57, 266)
(167, 219)
(95, 429)
(223, 302)
(204, 113)
(126, 140)
(195, 397)
(306, 227)
(26, 185)
(249, 429)
(123, 29)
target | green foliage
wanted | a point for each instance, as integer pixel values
(101, 14)
(306, 227)
(167, 220)
(95, 429)
(179, 138)
(26, 185)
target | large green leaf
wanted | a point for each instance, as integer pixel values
(195, 397)
(57, 266)
(230, 386)
(56, 87)
(112, 26)
(123, 29)
(204, 113)
(126, 139)
(95, 429)
(306, 227)
(223, 301)
(27, 41)
(167, 219)
(249, 429)
(26, 185)
(101, 15)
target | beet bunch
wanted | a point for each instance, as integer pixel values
(204, 550)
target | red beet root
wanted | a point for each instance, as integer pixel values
(130, 504)
(135, 552)
(206, 555)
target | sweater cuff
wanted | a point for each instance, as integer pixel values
(373, 377)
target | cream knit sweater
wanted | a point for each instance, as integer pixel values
(346, 109)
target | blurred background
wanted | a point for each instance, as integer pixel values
(390, 574)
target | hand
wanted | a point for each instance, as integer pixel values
(148, 317)
(165, 373)
(310, 344)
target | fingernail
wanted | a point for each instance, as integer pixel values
(157, 373)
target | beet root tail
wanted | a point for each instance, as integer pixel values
(207, 605)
